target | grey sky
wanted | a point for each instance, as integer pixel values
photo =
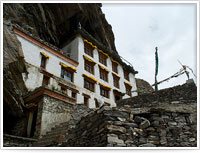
(139, 28)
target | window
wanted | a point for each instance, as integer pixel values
(88, 84)
(116, 81)
(102, 58)
(45, 81)
(126, 75)
(86, 99)
(114, 67)
(64, 90)
(96, 103)
(103, 74)
(89, 66)
(73, 94)
(104, 92)
(67, 74)
(88, 49)
(43, 62)
(128, 90)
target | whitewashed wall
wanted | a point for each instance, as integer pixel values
(32, 56)
(80, 80)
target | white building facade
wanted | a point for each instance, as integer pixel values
(92, 75)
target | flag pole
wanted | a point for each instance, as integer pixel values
(156, 68)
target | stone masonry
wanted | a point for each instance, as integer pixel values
(166, 118)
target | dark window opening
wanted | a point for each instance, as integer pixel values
(66, 74)
(114, 67)
(117, 98)
(86, 99)
(89, 85)
(43, 62)
(116, 81)
(64, 90)
(45, 81)
(126, 75)
(89, 66)
(103, 74)
(88, 49)
(74, 95)
(103, 59)
(104, 92)
(96, 103)
(128, 90)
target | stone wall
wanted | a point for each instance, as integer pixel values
(89, 132)
(181, 94)
(166, 118)
(117, 128)
(52, 112)
(155, 129)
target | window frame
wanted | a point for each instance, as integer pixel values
(45, 80)
(102, 59)
(88, 49)
(106, 92)
(85, 96)
(74, 95)
(126, 75)
(43, 58)
(103, 74)
(86, 101)
(96, 103)
(114, 67)
(91, 84)
(89, 66)
(128, 90)
(116, 80)
(67, 71)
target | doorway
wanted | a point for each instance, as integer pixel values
(32, 119)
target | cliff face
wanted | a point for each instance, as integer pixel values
(54, 23)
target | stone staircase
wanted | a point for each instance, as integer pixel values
(56, 136)
(58, 133)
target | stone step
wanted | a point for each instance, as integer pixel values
(52, 135)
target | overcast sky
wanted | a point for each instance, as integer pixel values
(139, 28)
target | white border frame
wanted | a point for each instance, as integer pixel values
(101, 148)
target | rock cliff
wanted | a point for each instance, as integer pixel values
(56, 23)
